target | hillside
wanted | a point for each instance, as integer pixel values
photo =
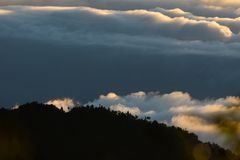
(42, 132)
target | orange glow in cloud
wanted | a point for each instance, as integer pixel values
(4, 12)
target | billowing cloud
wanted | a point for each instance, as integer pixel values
(159, 31)
(65, 104)
(146, 102)
(90, 20)
(222, 8)
(231, 23)
(211, 119)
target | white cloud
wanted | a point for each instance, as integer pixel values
(132, 110)
(66, 104)
(124, 109)
(16, 106)
(146, 101)
(110, 96)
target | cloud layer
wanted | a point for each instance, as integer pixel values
(84, 20)
(157, 30)
(221, 8)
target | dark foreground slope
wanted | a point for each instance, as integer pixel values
(42, 132)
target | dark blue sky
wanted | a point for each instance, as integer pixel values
(82, 52)
(33, 70)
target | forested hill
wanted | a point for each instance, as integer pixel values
(43, 132)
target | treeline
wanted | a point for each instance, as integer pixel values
(42, 132)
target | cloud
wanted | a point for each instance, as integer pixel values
(153, 24)
(132, 110)
(159, 31)
(147, 101)
(155, 31)
(110, 96)
(124, 109)
(194, 124)
(5, 12)
(214, 120)
(221, 2)
(66, 104)
(231, 23)
(221, 8)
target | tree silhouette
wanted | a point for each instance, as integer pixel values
(43, 132)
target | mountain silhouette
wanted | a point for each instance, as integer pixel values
(42, 132)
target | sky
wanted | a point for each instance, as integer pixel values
(184, 51)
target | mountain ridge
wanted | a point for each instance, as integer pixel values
(37, 131)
